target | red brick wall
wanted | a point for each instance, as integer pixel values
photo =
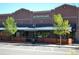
(52, 41)
(68, 12)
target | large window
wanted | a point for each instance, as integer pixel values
(22, 33)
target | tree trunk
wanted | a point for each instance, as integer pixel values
(60, 40)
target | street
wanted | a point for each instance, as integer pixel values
(16, 49)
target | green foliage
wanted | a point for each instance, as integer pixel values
(62, 26)
(43, 34)
(10, 25)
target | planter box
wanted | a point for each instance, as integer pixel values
(18, 40)
(52, 41)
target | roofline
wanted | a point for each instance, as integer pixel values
(65, 4)
(38, 11)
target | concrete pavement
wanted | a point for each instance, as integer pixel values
(30, 49)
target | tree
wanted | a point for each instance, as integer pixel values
(62, 26)
(10, 26)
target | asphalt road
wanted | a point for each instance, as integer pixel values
(10, 49)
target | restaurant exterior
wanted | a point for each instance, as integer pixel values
(37, 26)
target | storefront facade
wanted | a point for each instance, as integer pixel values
(39, 25)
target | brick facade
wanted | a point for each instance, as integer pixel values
(27, 18)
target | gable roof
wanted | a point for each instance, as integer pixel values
(65, 5)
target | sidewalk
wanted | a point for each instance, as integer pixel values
(44, 45)
(28, 48)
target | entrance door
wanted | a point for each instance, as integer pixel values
(29, 36)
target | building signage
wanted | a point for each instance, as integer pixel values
(40, 16)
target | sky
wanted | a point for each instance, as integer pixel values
(12, 7)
